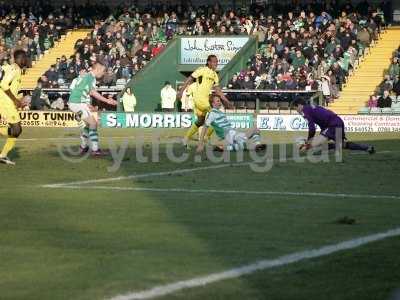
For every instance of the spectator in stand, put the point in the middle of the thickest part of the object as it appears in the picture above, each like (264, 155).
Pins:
(110, 78)
(168, 97)
(128, 100)
(52, 75)
(234, 83)
(156, 50)
(364, 37)
(39, 100)
(247, 84)
(386, 85)
(298, 60)
(396, 86)
(372, 101)
(385, 100)
(394, 69)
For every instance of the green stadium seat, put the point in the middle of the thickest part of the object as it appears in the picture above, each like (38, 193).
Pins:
(395, 105)
(387, 110)
(396, 110)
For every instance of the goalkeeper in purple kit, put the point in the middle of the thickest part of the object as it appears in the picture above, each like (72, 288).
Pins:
(332, 128)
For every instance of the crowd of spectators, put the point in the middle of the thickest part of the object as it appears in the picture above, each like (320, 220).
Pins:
(35, 27)
(308, 51)
(388, 92)
(129, 37)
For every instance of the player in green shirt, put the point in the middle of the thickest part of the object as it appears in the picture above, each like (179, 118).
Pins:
(233, 139)
(83, 89)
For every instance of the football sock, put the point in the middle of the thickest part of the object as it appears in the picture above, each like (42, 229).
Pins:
(354, 146)
(255, 139)
(94, 139)
(85, 137)
(210, 131)
(10, 143)
(191, 132)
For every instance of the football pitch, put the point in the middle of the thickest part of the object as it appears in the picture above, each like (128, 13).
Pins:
(100, 229)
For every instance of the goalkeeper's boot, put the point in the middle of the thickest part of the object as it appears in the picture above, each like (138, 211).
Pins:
(5, 160)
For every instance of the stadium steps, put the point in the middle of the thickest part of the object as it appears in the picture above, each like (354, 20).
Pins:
(369, 74)
(63, 47)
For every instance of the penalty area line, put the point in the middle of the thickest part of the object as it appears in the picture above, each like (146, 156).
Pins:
(214, 191)
(260, 265)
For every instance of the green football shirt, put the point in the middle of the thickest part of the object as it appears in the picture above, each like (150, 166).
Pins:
(218, 120)
(80, 92)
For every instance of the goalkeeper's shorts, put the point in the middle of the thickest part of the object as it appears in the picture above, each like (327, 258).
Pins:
(335, 132)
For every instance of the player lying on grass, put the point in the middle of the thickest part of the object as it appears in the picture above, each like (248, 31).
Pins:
(332, 128)
(80, 103)
(233, 139)
(10, 101)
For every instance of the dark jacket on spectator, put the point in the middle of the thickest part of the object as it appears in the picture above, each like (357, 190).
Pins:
(396, 87)
(384, 102)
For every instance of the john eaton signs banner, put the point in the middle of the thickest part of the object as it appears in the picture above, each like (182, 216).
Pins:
(194, 50)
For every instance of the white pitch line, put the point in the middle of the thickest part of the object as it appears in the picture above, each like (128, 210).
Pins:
(211, 191)
(136, 176)
(201, 281)
(70, 138)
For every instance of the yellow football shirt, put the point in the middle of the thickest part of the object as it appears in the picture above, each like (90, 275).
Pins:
(206, 78)
(11, 80)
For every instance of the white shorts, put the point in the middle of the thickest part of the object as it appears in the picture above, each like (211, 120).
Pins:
(234, 137)
(82, 109)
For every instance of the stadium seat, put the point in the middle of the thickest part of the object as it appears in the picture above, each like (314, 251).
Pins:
(375, 110)
(283, 105)
(387, 110)
(363, 111)
(395, 105)
(239, 104)
(263, 105)
(250, 104)
(396, 110)
(272, 105)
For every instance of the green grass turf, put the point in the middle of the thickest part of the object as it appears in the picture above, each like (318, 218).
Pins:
(94, 244)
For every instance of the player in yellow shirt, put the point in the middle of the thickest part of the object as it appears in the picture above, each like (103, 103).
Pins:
(206, 79)
(9, 101)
